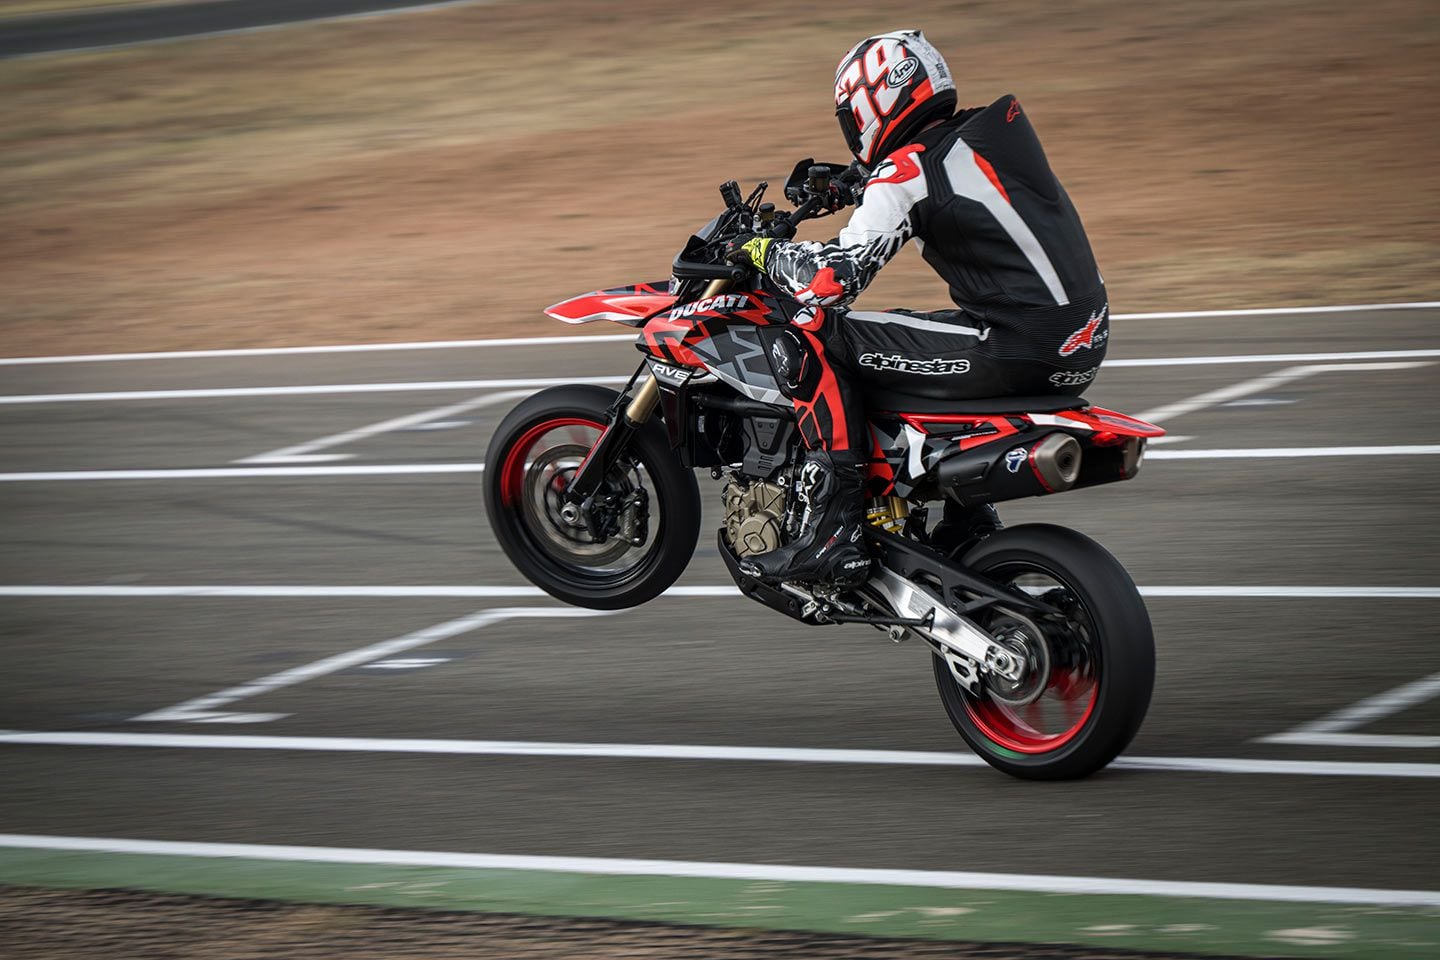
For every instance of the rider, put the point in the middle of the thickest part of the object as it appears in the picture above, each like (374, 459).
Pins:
(975, 191)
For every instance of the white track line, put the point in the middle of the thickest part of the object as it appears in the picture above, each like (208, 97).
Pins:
(309, 452)
(1270, 358)
(945, 879)
(404, 469)
(1363, 741)
(621, 337)
(536, 383)
(691, 752)
(206, 709)
(493, 592)
(1265, 453)
(220, 473)
(1335, 729)
(323, 389)
(1268, 382)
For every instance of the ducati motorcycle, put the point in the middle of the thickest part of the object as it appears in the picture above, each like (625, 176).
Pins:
(1041, 645)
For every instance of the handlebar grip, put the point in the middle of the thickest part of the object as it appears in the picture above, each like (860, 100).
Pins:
(693, 270)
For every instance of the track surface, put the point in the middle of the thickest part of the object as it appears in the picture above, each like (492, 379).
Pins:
(81, 30)
(706, 670)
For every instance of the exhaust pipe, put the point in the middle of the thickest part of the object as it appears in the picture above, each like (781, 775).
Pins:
(1033, 468)
(1056, 461)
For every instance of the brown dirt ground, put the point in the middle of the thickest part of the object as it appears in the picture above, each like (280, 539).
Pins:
(448, 174)
(37, 924)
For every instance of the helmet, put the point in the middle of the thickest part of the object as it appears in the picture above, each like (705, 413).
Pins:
(887, 88)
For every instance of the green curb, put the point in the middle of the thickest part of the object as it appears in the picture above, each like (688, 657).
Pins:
(1238, 927)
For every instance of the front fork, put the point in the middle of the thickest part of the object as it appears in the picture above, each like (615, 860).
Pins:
(613, 443)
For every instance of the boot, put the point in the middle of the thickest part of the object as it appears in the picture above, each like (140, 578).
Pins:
(830, 547)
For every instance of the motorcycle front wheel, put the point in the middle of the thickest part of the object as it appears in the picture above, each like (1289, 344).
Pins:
(1092, 665)
(532, 456)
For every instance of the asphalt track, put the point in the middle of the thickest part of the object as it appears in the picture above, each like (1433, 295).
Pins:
(112, 646)
(119, 26)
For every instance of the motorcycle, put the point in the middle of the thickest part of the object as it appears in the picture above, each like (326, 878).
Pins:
(1041, 646)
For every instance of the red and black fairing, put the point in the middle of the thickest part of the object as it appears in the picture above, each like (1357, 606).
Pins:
(629, 304)
(727, 336)
(991, 457)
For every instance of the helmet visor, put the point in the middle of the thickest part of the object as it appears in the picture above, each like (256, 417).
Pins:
(849, 128)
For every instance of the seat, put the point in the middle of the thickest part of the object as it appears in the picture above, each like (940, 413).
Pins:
(878, 399)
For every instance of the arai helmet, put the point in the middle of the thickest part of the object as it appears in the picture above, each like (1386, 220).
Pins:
(887, 88)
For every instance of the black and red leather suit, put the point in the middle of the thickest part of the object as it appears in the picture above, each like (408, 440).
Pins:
(977, 195)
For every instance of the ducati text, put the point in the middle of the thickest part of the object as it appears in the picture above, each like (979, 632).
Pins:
(718, 304)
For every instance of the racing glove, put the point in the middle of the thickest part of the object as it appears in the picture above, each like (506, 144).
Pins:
(749, 250)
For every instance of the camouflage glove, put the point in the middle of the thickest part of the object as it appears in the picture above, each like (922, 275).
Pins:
(749, 250)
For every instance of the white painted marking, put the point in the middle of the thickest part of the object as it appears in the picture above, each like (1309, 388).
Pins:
(262, 28)
(945, 879)
(540, 382)
(405, 469)
(629, 338)
(406, 663)
(114, 396)
(206, 709)
(1264, 453)
(329, 348)
(440, 425)
(221, 473)
(1278, 311)
(309, 451)
(1270, 381)
(1365, 741)
(690, 752)
(1334, 729)
(1298, 592)
(468, 591)
(1270, 358)
(1261, 402)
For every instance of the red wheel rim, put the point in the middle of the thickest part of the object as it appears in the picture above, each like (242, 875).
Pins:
(1019, 728)
(512, 471)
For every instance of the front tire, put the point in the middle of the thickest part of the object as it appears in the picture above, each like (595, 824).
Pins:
(531, 456)
(1099, 658)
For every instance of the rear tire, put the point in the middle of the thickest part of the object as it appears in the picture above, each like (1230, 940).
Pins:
(534, 449)
(1101, 658)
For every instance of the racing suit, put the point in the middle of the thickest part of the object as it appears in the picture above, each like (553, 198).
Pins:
(977, 195)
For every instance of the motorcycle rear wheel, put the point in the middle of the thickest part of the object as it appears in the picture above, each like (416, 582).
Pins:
(1099, 657)
(536, 448)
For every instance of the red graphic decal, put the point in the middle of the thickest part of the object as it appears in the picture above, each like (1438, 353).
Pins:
(990, 175)
(619, 304)
(906, 166)
(1108, 421)
(1013, 112)
(880, 474)
(1087, 336)
(921, 94)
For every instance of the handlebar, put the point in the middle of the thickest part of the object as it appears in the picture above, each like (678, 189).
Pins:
(695, 270)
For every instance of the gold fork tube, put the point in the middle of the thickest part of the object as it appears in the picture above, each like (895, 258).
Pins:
(643, 401)
(714, 288)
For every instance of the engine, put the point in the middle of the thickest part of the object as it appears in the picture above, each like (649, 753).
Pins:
(754, 516)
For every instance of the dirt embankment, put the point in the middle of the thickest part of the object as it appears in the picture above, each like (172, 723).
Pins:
(42, 924)
(448, 174)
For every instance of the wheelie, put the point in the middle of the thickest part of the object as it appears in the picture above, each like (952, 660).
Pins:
(861, 453)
